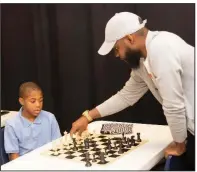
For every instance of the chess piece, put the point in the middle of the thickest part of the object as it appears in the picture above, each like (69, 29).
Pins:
(88, 164)
(102, 158)
(123, 135)
(120, 151)
(94, 159)
(105, 151)
(115, 147)
(132, 140)
(128, 143)
(75, 146)
(94, 146)
(86, 143)
(138, 137)
(109, 146)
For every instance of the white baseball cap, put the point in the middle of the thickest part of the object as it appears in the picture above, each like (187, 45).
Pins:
(120, 25)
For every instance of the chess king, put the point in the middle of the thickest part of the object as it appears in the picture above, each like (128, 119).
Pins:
(161, 62)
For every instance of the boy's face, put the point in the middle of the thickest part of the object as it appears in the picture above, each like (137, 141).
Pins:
(32, 102)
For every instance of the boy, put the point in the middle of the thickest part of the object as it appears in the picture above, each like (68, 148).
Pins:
(32, 127)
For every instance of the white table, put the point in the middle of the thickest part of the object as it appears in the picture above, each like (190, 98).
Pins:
(143, 158)
(7, 116)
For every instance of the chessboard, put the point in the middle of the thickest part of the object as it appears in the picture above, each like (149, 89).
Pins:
(96, 148)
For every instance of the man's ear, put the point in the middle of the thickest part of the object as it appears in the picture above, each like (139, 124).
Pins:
(130, 38)
(21, 101)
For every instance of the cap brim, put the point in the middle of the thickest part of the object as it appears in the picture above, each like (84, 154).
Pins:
(106, 48)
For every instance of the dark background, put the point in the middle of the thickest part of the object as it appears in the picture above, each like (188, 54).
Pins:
(56, 46)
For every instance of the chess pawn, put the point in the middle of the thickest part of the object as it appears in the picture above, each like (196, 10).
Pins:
(88, 164)
(102, 158)
(61, 146)
(138, 137)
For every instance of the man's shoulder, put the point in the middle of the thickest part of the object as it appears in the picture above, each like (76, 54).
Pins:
(164, 41)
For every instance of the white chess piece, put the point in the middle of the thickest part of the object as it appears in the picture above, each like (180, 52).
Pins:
(65, 138)
(61, 143)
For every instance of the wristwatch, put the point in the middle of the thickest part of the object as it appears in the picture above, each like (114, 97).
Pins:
(86, 114)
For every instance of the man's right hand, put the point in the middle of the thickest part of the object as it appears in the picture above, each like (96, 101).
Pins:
(79, 125)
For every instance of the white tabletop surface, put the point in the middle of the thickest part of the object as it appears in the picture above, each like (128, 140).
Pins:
(7, 116)
(142, 158)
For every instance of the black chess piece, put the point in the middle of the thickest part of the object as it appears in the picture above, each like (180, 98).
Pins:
(105, 151)
(120, 151)
(94, 149)
(86, 143)
(109, 141)
(102, 158)
(87, 155)
(123, 135)
(88, 163)
(132, 140)
(124, 140)
(74, 140)
(75, 147)
(128, 143)
(115, 147)
(109, 146)
(94, 159)
(138, 137)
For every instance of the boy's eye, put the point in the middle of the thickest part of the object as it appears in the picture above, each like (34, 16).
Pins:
(32, 101)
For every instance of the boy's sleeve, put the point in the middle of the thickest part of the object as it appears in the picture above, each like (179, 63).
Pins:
(10, 140)
(55, 129)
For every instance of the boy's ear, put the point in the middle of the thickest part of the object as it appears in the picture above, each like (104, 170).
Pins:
(21, 101)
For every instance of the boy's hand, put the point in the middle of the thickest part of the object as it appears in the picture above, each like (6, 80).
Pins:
(13, 156)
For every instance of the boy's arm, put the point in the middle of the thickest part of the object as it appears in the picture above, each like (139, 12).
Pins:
(55, 129)
(11, 142)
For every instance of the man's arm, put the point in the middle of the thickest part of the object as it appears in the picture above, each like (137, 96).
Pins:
(133, 90)
(167, 68)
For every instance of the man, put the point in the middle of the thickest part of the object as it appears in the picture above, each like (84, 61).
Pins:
(161, 62)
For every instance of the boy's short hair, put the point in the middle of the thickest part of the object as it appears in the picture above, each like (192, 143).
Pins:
(26, 87)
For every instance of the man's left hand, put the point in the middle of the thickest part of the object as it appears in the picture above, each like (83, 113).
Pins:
(175, 149)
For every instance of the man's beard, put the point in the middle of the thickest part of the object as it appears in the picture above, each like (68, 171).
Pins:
(132, 58)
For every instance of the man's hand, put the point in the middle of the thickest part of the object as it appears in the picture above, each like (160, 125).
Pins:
(175, 149)
(79, 125)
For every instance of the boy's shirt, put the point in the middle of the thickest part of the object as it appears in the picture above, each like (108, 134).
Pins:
(22, 136)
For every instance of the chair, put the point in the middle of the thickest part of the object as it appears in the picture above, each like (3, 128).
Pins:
(4, 156)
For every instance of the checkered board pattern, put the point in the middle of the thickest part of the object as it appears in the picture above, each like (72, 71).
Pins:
(67, 152)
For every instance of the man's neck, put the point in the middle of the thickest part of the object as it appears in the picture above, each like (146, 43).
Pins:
(143, 49)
